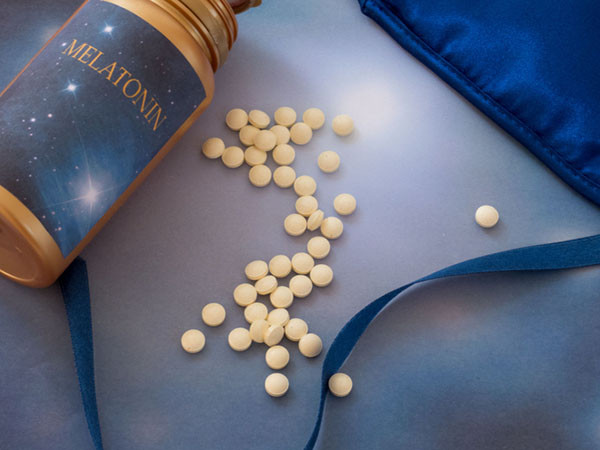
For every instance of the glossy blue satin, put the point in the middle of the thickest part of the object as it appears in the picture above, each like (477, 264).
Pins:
(532, 67)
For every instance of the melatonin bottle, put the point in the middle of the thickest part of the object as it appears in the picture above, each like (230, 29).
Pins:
(92, 114)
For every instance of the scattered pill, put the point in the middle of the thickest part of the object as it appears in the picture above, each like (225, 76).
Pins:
(258, 118)
(257, 330)
(277, 357)
(306, 205)
(284, 154)
(260, 175)
(280, 266)
(193, 341)
(342, 125)
(239, 339)
(486, 216)
(295, 224)
(276, 384)
(282, 297)
(318, 247)
(315, 220)
(254, 156)
(328, 161)
(310, 345)
(213, 314)
(321, 275)
(213, 148)
(344, 204)
(274, 335)
(256, 270)
(245, 294)
(285, 116)
(295, 329)
(314, 118)
(301, 286)
(300, 133)
(256, 311)
(233, 157)
(265, 140)
(278, 316)
(284, 176)
(247, 134)
(266, 285)
(305, 185)
(302, 263)
(281, 133)
(236, 119)
(332, 227)
(340, 384)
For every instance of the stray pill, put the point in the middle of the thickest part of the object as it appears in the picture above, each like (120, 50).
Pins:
(247, 134)
(213, 314)
(277, 357)
(332, 227)
(254, 156)
(285, 116)
(281, 133)
(344, 204)
(280, 266)
(239, 339)
(294, 224)
(276, 384)
(265, 140)
(284, 176)
(340, 384)
(318, 247)
(279, 316)
(314, 118)
(260, 175)
(321, 275)
(282, 297)
(274, 335)
(213, 148)
(300, 133)
(256, 270)
(193, 341)
(342, 125)
(266, 285)
(301, 286)
(284, 154)
(255, 311)
(315, 220)
(258, 118)
(310, 345)
(306, 205)
(302, 263)
(295, 329)
(257, 331)
(236, 119)
(486, 216)
(305, 185)
(328, 161)
(245, 294)
(233, 157)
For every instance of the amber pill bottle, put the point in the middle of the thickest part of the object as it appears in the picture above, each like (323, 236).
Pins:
(90, 117)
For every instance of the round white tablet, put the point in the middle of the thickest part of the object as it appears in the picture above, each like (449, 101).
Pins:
(258, 118)
(318, 247)
(294, 224)
(260, 175)
(310, 345)
(305, 185)
(340, 384)
(315, 220)
(301, 286)
(284, 176)
(265, 140)
(285, 116)
(306, 205)
(284, 154)
(314, 118)
(213, 148)
(247, 134)
(236, 119)
(342, 125)
(279, 316)
(277, 357)
(277, 384)
(300, 133)
(193, 341)
(239, 339)
(273, 335)
(329, 161)
(244, 294)
(295, 329)
(213, 314)
(332, 227)
(302, 263)
(256, 270)
(266, 285)
(233, 157)
(281, 133)
(254, 156)
(255, 311)
(258, 328)
(321, 275)
(282, 297)
(486, 216)
(280, 266)
(344, 204)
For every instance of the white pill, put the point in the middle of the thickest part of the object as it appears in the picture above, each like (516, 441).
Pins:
(254, 156)
(236, 119)
(273, 335)
(265, 140)
(305, 185)
(280, 266)
(295, 329)
(300, 133)
(258, 118)
(260, 175)
(321, 275)
(284, 176)
(281, 133)
(277, 357)
(310, 345)
(247, 134)
(266, 285)
(284, 154)
(486, 216)
(344, 204)
(340, 384)
(314, 118)
(258, 328)
(213, 314)
(256, 270)
(294, 224)
(315, 220)
(332, 227)
(233, 157)
(301, 286)
(277, 384)
(256, 311)
(193, 341)
(328, 161)
(285, 116)
(302, 263)
(306, 205)
(239, 339)
(279, 316)
(342, 125)
(318, 247)
(213, 148)
(244, 294)
(282, 297)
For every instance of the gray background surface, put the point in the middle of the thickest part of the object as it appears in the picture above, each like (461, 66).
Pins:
(488, 362)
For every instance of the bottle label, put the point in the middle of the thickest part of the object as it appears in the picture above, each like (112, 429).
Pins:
(88, 114)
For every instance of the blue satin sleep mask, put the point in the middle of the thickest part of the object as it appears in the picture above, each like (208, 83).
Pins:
(532, 67)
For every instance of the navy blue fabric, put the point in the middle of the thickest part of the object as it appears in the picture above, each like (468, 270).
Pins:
(531, 66)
